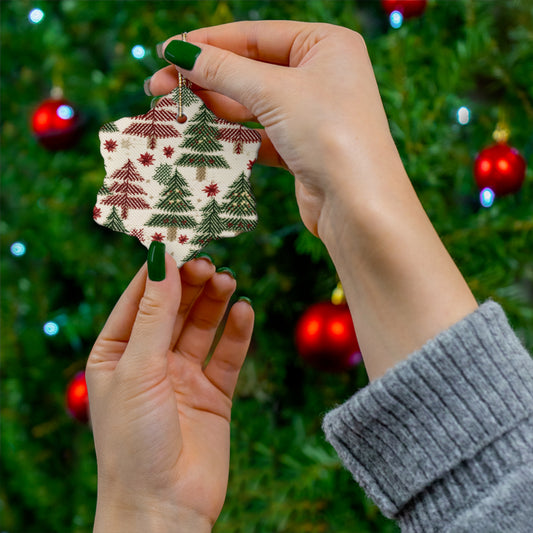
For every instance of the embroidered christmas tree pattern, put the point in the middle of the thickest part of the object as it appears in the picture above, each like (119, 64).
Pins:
(201, 137)
(240, 206)
(211, 225)
(238, 136)
(124, 193)
(173, 203)
(114, 221)
(153, 126)
(184, 183)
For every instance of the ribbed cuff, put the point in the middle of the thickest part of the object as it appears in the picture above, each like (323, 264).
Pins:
(435, 430)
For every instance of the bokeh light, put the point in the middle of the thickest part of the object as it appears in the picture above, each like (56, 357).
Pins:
(138, 51)
(18, 249)
(36, 15)
(486, 197)
(396, 19)
(51, 328)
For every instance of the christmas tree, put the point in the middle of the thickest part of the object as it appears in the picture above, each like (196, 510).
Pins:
(211, 225)
(238, 136)
(239, 206)
(123, 192)
(149, 126)
(173, 203)
(201, 136)
(60, 269)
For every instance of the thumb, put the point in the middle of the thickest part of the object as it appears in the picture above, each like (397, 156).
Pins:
(242, 79)
(152, 330)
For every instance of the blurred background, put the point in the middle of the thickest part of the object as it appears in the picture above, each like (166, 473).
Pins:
(451, 73)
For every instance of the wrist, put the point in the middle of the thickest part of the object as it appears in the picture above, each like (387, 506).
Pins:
(401, 284)
(155, 517)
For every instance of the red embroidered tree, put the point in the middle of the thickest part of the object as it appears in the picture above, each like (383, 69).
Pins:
(151, 125)
(238, 136)
(123, 192)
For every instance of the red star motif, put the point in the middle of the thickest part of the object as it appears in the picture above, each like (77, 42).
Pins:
(251, 163)
(97, 213)
(168, 151)
(146, 159)
(157, 237)
(211, 189)
(182, 239)
(110, 146)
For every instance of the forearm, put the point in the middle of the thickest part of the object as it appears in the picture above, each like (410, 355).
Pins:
(400, 282)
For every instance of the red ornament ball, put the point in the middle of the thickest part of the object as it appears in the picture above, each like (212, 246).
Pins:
(56, 124)
(325, 337)
(77, 398)
(408, 8)
(501, 168)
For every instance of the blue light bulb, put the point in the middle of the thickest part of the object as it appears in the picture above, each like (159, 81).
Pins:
(486, 197)
(396, 19)
(36, 15)
(138, 51)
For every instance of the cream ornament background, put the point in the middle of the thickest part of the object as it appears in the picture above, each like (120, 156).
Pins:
(183, 184)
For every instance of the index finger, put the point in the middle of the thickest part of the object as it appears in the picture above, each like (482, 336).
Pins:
(270, 41)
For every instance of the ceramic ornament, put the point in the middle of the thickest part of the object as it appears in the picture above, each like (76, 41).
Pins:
(177, 174)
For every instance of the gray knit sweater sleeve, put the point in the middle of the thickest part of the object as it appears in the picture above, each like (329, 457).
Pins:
(444, 441)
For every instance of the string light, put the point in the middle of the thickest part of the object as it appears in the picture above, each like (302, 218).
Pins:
(65, 112)
(463, 115)
(396, 19)
(36, 15)
(138, 51)
(486, 197)
(18, 249)
(51, 328)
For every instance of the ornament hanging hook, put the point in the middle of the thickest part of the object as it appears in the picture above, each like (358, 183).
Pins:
(181, 82)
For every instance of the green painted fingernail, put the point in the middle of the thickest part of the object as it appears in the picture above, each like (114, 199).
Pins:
(245, 299)
(226, 270)
(182, 53)
(203, 255)
(156, 261)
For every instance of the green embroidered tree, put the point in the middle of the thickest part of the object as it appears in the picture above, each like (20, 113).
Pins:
(187, 96)
(211, 225)
(173, 203)
(201, 137)
(114, 221)
(239, 206)
(109, 127)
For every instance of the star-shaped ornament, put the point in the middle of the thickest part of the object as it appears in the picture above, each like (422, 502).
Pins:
(184, 183)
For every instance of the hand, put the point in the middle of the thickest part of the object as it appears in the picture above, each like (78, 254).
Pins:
(160, 417)
(313, 89)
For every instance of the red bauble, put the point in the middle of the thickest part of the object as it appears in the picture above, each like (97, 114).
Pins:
(501, 168)
(77, 398)
(325, 337)
(408, 8)
(56, 124)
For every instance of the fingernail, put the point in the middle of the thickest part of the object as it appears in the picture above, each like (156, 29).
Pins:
(245, 299)
(226, 270)
(203, 255)
(146, 86)
(182, 53)
(159, 49)
(156, 261)
(253, 125)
